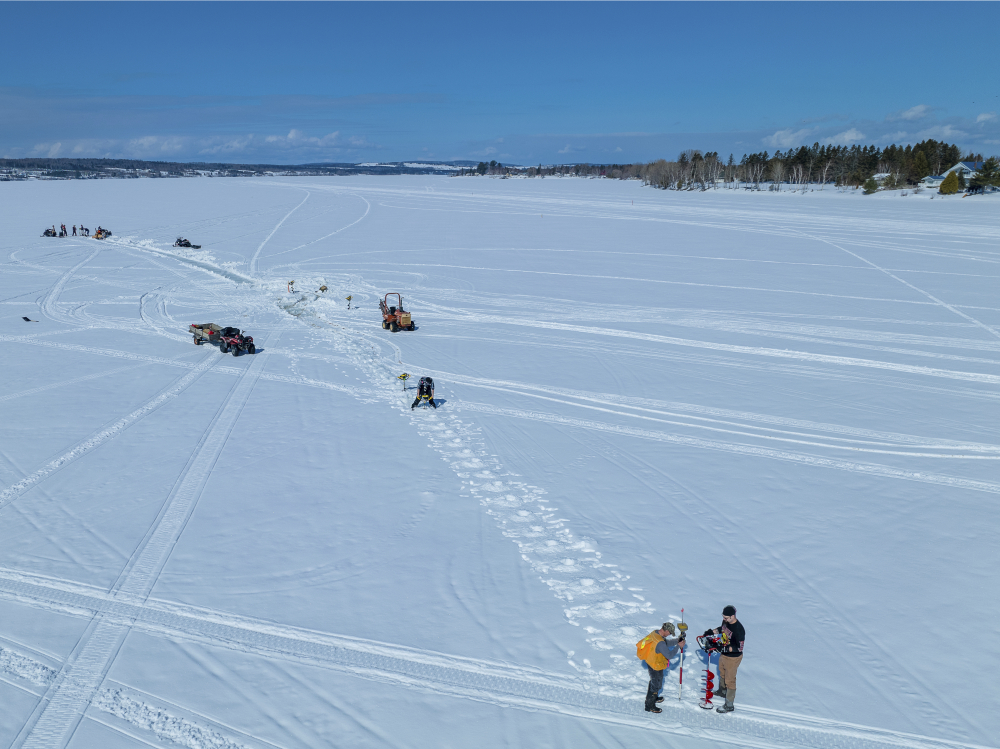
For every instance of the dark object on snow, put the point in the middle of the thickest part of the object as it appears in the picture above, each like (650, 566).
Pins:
(710, 643)
(425, 391)
(49, 232)
(28, 319)
(228, 339)
(395, 317)
(102, 233)
(181, 242)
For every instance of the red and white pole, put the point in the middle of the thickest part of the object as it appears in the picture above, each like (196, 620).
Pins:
(680, 683)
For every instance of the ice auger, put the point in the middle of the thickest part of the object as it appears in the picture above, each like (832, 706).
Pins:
(709, 644)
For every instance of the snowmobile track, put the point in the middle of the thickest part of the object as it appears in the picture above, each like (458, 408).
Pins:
(11, 493)
(63, 705)
(493, 683)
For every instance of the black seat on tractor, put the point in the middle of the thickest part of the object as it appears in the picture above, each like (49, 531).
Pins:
(392, 310)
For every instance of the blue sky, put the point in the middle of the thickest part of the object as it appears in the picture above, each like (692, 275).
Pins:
(522, 83)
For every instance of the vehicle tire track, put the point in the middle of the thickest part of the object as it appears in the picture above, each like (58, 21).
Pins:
(12, 493)
(871, 469)
(48, 305)
(66, 700)
(501, 684)
(256, 255)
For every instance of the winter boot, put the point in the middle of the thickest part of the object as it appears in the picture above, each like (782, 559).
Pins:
(728, 707)
(651, 700)
(721, 691)
(660, 699)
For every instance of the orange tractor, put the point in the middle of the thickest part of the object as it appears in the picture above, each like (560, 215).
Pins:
(394, 317)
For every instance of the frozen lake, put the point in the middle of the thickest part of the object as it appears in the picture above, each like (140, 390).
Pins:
(649, 401)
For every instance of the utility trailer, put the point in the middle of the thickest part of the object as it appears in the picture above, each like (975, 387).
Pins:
(228, 339)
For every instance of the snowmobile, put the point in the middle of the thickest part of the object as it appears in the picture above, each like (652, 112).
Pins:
(228, 339)
(394, 317)
(181, 242)
(102, 233)
(49, 233)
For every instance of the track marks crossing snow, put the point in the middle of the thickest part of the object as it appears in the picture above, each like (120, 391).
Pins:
(78, 682)
(805, 459)
(502, 684)
(11, 493)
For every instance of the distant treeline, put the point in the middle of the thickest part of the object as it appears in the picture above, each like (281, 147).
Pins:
(838, 165)
(85, 168)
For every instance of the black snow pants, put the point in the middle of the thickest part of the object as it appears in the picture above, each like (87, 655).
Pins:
(655, 685)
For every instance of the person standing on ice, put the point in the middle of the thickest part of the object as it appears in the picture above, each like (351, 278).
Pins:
(655, 649)
(730, 656)
(74, 230)
(425, 390)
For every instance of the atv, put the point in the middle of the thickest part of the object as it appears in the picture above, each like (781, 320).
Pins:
(49, 233)
(181, 242)
(394, 317)
(228, 339)
(102, 233)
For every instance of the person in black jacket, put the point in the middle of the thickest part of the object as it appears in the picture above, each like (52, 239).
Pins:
(425, 390)
(730, 657)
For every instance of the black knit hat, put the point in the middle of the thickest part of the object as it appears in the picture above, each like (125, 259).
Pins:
(729, 611)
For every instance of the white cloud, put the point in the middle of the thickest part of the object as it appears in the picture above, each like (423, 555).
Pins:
(914, 113)
(848, 136)
(986, 117)
(236, 145)
(48, 149)
(941, 132)
(359, 141)
(154, 146)
(567, 149)
(296, 145)
(787, 138)
(618, 149)
(898, 135)
(296, 138)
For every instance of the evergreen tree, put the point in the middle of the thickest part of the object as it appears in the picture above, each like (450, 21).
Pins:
(870, 186)
(989, 174)
(920, 167)
(950, 184)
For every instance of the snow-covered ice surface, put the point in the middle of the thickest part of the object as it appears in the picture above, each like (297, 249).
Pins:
(649, 401)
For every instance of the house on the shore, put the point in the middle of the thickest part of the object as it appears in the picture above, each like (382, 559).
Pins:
(964, 169)
(932, 183)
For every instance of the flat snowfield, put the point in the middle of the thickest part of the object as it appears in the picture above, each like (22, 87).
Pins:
(648, 402)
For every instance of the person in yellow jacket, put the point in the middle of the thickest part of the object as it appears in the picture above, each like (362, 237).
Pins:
(655, 649)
